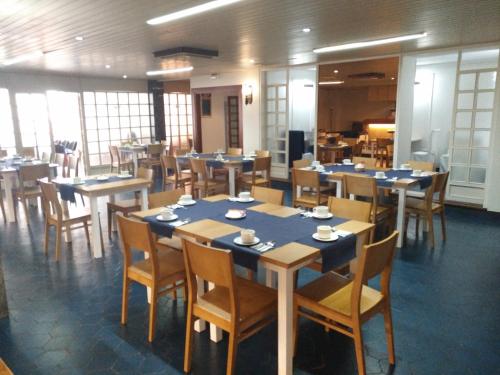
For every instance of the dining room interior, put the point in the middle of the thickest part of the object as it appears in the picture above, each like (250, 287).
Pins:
(249, 187)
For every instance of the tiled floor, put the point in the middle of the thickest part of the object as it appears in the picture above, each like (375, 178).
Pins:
(64, 317)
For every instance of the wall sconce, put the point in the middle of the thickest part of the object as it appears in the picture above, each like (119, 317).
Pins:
(248, 93)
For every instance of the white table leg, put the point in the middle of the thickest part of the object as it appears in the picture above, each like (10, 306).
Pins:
(114, 228)
(136, 163)
(285, 321)
(338, 190)
(200, 325)
(232, 181)
(270, 279)
(67, 233)
(401, 215)
(215, 332)
(144, 199)
(9, 183)
(95, 236)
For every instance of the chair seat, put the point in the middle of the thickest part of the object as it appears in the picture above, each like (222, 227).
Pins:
(415, 204)
(256, 302)
(74, 216)
(170, 263)
(247, 179)
(333, 292)
(30, 191)
(173, 243)
(211, 183)
(128, 204)
(183, 178)
(151, 162)
(310, 198)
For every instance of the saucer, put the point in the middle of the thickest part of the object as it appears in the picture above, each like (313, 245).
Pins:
(381, 178)
(347, 163)
(248, 159)
(77, 183)
(402, 169)
(235, 214)
(102, 178)
(172, 218)
(124, 175)
(413, 175)
(243, 200)
(329, 216)
(333, 237)
(238, 241)
(187, 203)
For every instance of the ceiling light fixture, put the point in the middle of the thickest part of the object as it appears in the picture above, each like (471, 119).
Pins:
(335, 71)
(107, 66)
(169, 71)
(343, 47)
(22, 58)
(190, 11)
(393, 78)
(306, 30)
(331, 83)
(124, 76)
(251, 61)
(79, 38)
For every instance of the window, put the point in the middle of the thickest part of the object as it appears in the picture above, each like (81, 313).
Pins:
(116, 117)
(8, 140)
(178, 119)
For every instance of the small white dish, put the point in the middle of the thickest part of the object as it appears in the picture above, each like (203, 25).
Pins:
(414, 175)
(329, 216)
(333, 237)
(381, 178)
(103, 178)
(245, 200)
(403, 169)
(238, 241)
(247, 159)
(347, 163)
(187, 203)
(124, 175)
(235, 214)
(77, 183)
(172, 218)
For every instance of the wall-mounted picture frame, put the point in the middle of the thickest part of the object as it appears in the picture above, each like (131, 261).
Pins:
(206, 105)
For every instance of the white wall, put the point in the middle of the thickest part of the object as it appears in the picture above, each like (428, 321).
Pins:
(213, 129)
(250, 113)
(302, 102)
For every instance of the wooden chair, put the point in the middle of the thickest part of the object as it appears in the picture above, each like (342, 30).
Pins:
(233, 151)
(427, 166)
(62, 221)
(370, 163)
(61, 161)
(236, 305)
(159, 271)
(129, 205)
(427, 207)
(73, 162)
(47, 157)
(153, 155)
(28, 152)
(181, 151)
(381, 150)
(268, 195)
(310, 179)
(117, 162)
(302, 163)
(177, 178)
(262, 153)
(366, 187)
(357, 149)
(343, 305)
(3, 153)
(260, 176)
(28, 184)
(201, 183)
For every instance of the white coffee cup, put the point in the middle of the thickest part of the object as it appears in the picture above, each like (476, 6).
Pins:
(244, 195)
(320, 168)
(167, 213)
(76, 180)
(124, 173)
(315, 163)
(320, 211)
(247, 235)
(405, 166)
(346, 161)
(324, 231)
(186, 198)
(380, 174)
(417, 172)
(359, 166)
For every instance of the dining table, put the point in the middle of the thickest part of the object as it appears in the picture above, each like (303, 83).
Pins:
(94, 187)
(398, 180)
(9, 173)
(232, 163)
(135, 150)
(290, 250)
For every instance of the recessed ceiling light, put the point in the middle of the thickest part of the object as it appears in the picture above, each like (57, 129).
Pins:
(124, 76)
(251, 61)
(107, 66)
(335, 71)
(169, 71)
(393, 78)
(342, 47)
(22, 58)
(79, 38)
(331, 83)
(306, 30)
(190, 11)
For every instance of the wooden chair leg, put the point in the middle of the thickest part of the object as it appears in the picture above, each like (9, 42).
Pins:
(26, 212)
(188, 348)
(295, 327)
(126, 285)
(231, 353)
(110, 220)
(58, 241)
(443, 224)
(430, 225)
(389, 333)
(86, 227)
(152, 314)
(405, 231)
(46, 243)
(358, 345)
(250, 274)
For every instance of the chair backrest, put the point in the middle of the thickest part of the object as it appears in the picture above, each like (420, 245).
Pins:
(440, 185)
(233, 151)
(3, 153)
(302, 163)
(29, 173)
(28, 152)
(268, 195)
(357, 149)
(350, 141)
(374, 259)
(155, 150)
(164, 198)
(212, 265)
(305, 178)
(168, 163)
(350, 209)
(199, 166)
(261, 164)
(60, 159)
(46, 157)
(114, 153)
(262, 153)
(136, 235)
(181, 151)
(368, 162)
(50, 202)
(72, 165)
(382, 143)
(422, 165)
(146, 174)
(362, 186)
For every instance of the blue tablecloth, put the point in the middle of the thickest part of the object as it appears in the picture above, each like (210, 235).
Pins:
(424, 181)
(16, 163)
(268, 228)
(216, 164)
(67, 191)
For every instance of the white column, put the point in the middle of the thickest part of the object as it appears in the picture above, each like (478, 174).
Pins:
(232, 181)
(95, 239)
(9, 182)
(285, 321)
(401, 215)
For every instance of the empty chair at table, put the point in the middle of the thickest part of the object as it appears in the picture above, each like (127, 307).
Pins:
(153, 155)
(307, 179)
(382, 151)
(60, 160)
(427, 166)
(268, 195)
(28, 152)
(234, 151)
(160, 271)
(47, 157)
(236, 305)
(129, 205)
(262, 153)
(201, 184)
(171, 174)
(302, 163)
(117, 162)
(343, 305)
(61, 220)
(72, 164)
(370, 163)
(260, 175)
(28, 184)
(231, 151)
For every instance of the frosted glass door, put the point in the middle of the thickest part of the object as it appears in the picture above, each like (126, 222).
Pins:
(277, 128)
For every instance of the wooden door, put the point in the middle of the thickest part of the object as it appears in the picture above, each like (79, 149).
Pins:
(234, 136)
